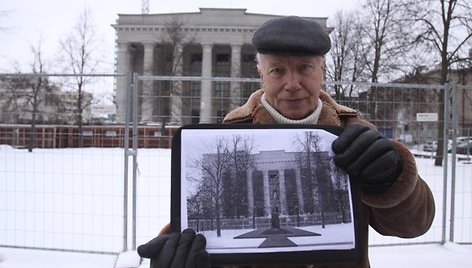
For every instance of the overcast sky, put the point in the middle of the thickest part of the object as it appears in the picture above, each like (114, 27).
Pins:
(24, 22)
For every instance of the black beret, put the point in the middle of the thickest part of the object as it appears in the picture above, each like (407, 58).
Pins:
(291, 36)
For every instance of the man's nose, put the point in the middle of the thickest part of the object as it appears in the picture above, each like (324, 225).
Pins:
(292, 82)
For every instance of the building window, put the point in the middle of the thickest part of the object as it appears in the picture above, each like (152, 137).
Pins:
(222, 59)
(248, 58)
(196, 59)
(195, 88)
(220, 116)
(222, 89)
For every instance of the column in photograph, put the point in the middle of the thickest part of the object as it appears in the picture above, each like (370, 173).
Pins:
(147, 93)
(283, 194)
(205, 93)
(250, 192)
(235, 73)
(122, 67)
(298, 180)
(265, 180)
(176, 92)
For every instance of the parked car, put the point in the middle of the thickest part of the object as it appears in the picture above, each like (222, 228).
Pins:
(464, 139)
(462, 144)
(430, 146)
(464, 148)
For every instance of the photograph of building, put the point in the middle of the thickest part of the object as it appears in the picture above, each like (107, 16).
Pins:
(237, 187)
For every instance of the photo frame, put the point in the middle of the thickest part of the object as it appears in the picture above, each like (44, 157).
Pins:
(264, 193)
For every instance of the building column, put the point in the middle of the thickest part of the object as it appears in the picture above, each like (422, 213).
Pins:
(235, 73)
(283, 194)
(205, 94)
(298, 181)
(250, 192)
(122, 67)
(265, 181)
(147, 85)
(176, 92)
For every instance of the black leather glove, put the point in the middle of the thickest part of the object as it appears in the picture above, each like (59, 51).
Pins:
(367, 156)
(186, 250)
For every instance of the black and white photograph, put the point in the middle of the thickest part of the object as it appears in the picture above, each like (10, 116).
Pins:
(265, 190)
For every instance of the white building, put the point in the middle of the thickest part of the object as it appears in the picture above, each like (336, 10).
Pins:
(201, 45)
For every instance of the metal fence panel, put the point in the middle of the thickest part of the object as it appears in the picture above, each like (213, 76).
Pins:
(392, 107)
(58, 196)
(66, 198)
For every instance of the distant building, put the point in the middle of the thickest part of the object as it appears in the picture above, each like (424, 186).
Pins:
(208, 43)
(54, 106)
(400, 106)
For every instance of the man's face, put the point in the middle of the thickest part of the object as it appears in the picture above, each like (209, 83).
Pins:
(292, 84)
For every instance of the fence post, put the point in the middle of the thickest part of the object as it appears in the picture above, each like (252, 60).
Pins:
(135, 153)
(445, 164)
(130, 85)
(453, 132)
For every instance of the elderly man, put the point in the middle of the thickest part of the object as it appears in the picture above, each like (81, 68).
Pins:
(290, 57)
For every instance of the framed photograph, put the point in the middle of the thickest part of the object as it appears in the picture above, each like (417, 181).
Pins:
(264, 193)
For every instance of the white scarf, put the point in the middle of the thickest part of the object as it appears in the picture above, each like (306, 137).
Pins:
(311, 119)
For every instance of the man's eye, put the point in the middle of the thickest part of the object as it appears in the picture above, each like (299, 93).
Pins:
(306, 67)
(275, 71)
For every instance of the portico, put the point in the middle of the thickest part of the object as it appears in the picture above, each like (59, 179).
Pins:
(205, 44)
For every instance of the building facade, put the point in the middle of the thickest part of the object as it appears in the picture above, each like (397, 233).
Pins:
(21, 101)
(200, 46)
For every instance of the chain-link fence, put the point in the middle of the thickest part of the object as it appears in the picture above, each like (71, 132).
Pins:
(113, 192)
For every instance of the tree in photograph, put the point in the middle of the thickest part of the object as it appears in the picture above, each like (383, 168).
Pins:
(445, 26)
(235, 185)
(222, 186)
(341, 191)
(317, 173)
(214, 168)
(79, 48)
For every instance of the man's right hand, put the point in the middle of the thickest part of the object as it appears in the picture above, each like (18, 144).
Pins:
(186, 250)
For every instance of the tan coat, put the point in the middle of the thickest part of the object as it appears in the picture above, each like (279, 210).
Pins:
(405, 210)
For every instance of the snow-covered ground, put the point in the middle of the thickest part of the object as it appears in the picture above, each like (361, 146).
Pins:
(73, 199)
(431, 256)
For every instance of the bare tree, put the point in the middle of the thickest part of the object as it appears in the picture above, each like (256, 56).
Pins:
(346, 56)
(176, 38)
(387, 37)
(240, 153)
(322, 187)
(79, 48)
(10, 100)
(445, 26)
(220, 187)
(312, 165)
(36, 86)
(214, 167)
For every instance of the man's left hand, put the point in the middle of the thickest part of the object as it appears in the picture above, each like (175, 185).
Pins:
(368, 156)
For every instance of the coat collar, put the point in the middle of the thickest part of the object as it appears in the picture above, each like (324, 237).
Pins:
(253, 111)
